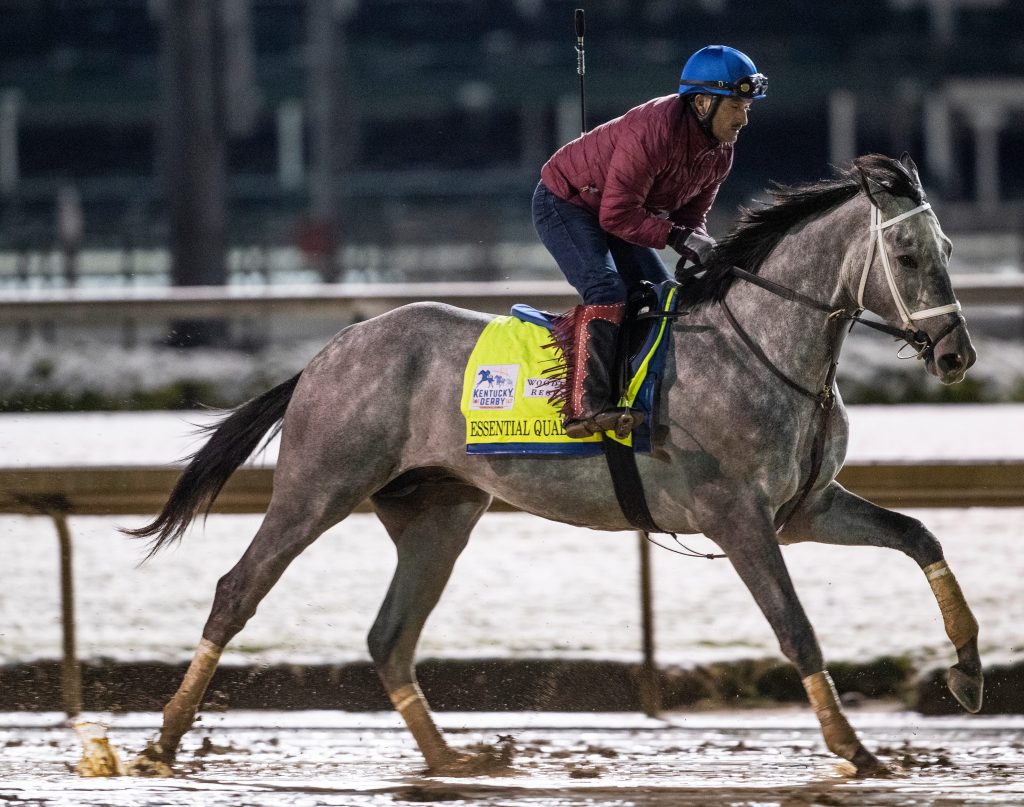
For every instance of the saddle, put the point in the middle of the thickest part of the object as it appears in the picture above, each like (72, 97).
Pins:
(508, 379)
(507, 386)
(637, 328)
(647, 309)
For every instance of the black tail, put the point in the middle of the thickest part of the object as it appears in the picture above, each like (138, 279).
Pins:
(232, 440)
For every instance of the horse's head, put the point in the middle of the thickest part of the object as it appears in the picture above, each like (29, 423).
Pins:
(905, 274)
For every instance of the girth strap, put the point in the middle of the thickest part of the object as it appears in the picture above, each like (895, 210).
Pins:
(629, 487)
(629, 492)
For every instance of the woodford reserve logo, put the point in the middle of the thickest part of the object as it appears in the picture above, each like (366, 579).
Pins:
(540, 387)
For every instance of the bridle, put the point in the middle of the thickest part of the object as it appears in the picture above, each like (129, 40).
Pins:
(919, 341)
(913, 336)
(922, 344)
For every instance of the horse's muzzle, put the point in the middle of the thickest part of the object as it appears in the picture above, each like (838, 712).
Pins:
(952, 356)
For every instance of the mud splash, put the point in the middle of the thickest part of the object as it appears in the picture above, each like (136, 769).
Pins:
(99, 756)
(772, 758)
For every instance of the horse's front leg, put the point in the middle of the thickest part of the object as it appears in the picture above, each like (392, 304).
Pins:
(753, 550)
(840, 517)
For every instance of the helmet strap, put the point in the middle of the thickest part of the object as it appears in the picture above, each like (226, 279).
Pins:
(705, 119)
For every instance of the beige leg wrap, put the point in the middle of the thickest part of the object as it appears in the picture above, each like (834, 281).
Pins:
(200, 671)
(961, 626)
(182, 707)
(839, 735)
(412, 706)
(404, 697)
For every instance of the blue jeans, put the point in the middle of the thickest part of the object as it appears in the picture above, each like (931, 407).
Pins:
(600, 266)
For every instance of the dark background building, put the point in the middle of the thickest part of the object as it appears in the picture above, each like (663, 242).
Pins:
(348, 125)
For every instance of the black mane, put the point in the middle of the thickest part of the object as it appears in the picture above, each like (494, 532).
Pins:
(759, 230)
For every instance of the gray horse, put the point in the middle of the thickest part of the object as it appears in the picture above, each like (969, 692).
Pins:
(750, 436)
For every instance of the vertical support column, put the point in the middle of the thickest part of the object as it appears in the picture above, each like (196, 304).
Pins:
(938, 141)
(842, 127)
(71, 673)
(533, 136)
(330, 115)
(291, 161)
(239, 87)
(650, 690)
(10, 107)
(987, 120)
(567, 119)
(943, 13)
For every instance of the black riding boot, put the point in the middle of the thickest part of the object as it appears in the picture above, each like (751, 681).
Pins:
(589, 406)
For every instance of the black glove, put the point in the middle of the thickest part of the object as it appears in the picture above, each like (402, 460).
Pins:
(695, 247)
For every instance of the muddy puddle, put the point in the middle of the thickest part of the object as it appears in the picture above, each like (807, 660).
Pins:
(742, 759)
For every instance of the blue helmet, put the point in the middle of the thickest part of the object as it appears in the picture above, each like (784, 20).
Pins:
(721, 70)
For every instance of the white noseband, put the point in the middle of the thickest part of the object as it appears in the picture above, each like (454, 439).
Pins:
(877, 225)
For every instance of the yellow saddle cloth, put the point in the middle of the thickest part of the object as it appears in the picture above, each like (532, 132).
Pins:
(505, 394)
(506, 386)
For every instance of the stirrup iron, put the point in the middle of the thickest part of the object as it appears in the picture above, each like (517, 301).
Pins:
(620, 420)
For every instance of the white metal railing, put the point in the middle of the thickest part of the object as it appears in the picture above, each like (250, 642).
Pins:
(107, 304)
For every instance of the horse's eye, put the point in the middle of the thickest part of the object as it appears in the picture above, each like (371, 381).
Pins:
(907, 261)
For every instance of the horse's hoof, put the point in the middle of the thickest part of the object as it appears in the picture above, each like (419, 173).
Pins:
(867, 764)
(967, 689)
(485, 760)
(152, 762)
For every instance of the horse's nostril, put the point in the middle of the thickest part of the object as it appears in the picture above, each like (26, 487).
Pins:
(950, 362)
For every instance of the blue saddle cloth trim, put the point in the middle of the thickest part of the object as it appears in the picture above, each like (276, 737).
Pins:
(644, 399)
(537, 449)
(527, 313)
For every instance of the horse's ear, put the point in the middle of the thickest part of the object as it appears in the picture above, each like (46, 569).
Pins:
(908, 162)
(866, 183)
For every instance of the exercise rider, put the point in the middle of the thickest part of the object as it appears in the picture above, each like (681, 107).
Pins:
(611, 198)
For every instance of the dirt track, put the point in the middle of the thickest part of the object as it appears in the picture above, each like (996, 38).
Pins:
(766, 758)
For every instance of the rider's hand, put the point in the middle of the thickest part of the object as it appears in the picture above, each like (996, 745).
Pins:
(695, 247)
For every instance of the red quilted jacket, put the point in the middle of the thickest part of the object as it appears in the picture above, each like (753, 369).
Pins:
(643, 172)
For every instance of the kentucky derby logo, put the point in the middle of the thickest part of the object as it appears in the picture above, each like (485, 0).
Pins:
(495, 386)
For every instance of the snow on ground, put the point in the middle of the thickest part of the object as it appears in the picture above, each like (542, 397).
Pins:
(524, 587)
(868, 370)
(882, 433)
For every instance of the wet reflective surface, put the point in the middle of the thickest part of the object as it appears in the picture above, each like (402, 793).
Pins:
(771, 758)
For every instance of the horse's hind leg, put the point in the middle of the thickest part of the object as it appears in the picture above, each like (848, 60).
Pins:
(288, 527)
(748, 537)
(430, 522)
(840, 517)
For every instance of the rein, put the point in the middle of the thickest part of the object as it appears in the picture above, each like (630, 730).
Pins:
(825, 398)
(917, 339)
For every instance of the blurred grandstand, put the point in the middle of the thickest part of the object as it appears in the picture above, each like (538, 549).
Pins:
(349, 131)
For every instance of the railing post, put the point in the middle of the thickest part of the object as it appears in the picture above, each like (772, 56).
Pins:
(71, 673)
(57, 507)
(650, 688)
